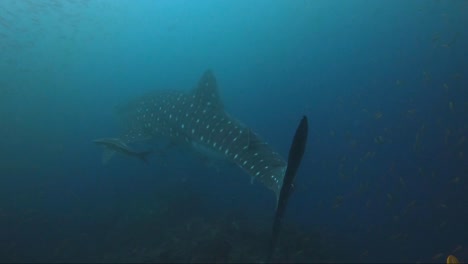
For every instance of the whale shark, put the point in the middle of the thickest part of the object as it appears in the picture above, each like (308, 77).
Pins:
(197, 119)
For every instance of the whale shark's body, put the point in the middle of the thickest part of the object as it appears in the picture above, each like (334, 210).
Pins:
(197, 119)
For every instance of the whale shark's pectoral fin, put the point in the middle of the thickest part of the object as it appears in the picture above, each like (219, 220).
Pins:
(107, 154)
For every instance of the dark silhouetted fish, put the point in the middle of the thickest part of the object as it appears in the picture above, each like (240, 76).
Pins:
(294, 160)
(116, 145)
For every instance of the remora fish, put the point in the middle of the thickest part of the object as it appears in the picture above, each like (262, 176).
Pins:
(113, 145)
(197, 118)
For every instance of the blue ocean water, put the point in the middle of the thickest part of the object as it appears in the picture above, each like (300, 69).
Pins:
(383, 83)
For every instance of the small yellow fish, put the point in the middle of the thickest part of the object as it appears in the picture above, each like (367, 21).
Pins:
(442, 205)
(338, 201)
(411, 204)
(461, 140)
(379, 140)
(451, 259)
(402, 182)
(368, 203)
(235, 225)
(342, 176)
(451, 105)
(389, 197)
(420, 171)
(426, 76)
(365, 253)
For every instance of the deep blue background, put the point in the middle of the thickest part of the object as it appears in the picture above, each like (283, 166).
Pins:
(360, 70)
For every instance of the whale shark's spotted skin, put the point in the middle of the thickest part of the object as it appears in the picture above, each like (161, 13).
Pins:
(198, 118)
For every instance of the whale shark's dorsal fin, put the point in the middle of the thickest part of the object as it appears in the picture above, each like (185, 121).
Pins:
(206, 93)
